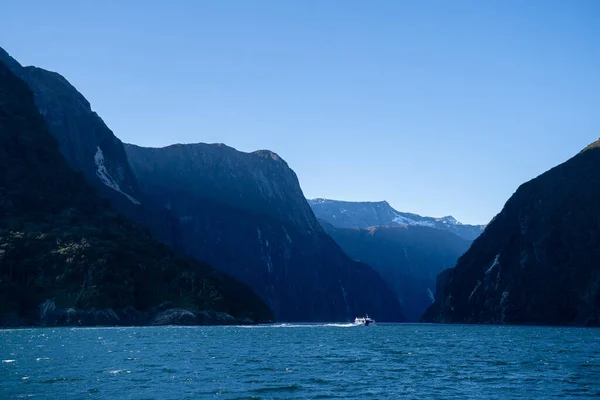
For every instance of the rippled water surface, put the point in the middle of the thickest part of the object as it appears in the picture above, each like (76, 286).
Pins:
(300, 361)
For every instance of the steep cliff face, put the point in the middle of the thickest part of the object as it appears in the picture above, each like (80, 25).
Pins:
(90, 147)
(98, 154)
(245, 213)
(242, 213)
(348, 214)
(538, 261)
(408, 258)
(259, 182)
(67, 258)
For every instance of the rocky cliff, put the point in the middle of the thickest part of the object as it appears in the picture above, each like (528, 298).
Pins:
(408, 258)
(240, 213)
(538, 261)
(91, 148)
(246, 214)
(348, 214)
(259, 182)
(67, 258)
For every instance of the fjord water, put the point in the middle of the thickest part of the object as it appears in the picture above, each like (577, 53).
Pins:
(300, 361)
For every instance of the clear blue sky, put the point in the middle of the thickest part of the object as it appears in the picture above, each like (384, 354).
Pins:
(439, 107)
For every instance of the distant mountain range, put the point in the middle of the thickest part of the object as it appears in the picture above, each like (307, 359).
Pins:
(346, 214)
(538, 261)
(407, 250)
(409, 258)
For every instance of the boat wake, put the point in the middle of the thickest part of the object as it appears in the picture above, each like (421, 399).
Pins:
(307, 325)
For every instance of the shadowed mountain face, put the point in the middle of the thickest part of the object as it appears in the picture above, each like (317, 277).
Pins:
(408, 258)
(67, 258)
(538, 261)
(348, 214)
(91, 148)
(259, 182)
(245, 213)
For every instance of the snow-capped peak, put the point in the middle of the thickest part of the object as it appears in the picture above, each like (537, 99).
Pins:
(347, 214)
(449, 220)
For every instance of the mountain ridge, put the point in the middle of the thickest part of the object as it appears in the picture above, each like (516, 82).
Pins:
(408, 258)
(538, 261)
(241, 212)
(99, 155)
(66, 256)
(254, 223)
(268, 183)
(351, 214)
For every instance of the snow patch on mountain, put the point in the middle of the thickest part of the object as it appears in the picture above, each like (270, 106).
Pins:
(402, 220)
(347, 214)
(105, 177)
(449, 220)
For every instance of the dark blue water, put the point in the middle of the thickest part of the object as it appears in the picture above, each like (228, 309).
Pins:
(300, 361)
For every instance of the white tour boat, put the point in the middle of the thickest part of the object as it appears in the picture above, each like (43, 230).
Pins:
(365, 321)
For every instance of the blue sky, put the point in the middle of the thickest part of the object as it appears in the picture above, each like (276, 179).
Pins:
(439, 107)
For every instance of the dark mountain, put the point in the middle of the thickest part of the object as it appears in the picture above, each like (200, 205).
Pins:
(67, 258)
(91, 148)
(408, 258)
(347, 214)
(538, 261)
(245, 213)
(229, 228)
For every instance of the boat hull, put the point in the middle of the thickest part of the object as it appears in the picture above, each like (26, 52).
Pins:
(364, 321)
